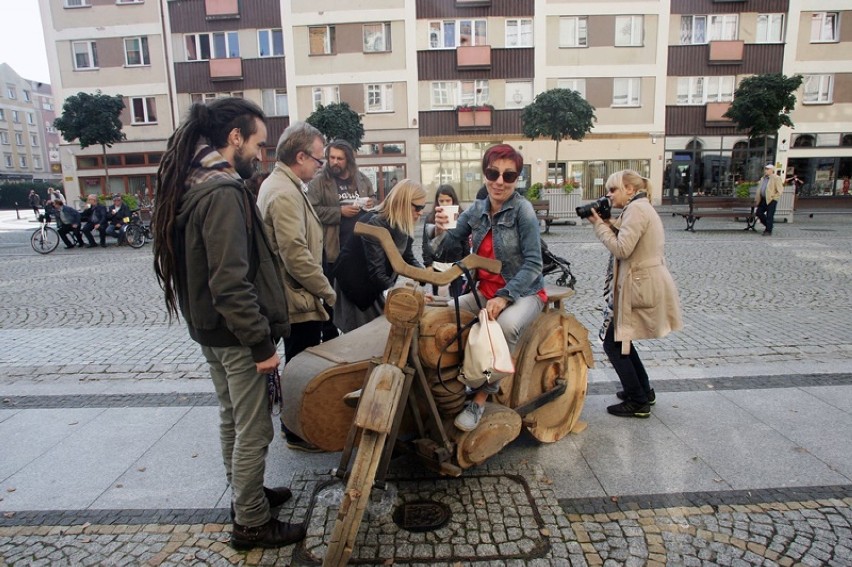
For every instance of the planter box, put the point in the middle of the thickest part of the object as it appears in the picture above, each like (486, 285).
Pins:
(562, 204)
(474, 119)
(784, 209)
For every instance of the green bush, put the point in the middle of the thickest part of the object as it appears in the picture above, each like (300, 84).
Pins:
(534, 192)
(741, 191)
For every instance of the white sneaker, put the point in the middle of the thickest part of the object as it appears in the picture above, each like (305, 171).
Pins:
(469, 418)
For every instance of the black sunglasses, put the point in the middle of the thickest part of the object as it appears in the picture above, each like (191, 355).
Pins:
(418, 208)
(508, 176)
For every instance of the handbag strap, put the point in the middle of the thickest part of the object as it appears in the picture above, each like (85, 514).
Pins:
(459, 327)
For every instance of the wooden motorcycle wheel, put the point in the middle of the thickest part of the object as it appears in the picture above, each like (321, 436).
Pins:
(556, 348)
(355, 499)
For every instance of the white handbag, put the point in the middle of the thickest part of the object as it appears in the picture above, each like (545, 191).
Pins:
(486, 356)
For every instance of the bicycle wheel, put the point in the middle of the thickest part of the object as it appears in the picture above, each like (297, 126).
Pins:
(135, 236)
(44, 241)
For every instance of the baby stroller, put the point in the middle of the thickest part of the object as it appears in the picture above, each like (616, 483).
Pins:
(551, 263)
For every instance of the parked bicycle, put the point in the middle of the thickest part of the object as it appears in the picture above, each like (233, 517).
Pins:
(45, 238)
(137, 232)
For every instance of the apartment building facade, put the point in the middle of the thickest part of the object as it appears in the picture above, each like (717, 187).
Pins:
(28, 141)
(437, 81)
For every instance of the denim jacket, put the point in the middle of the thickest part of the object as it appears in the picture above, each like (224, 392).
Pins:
(517, 243)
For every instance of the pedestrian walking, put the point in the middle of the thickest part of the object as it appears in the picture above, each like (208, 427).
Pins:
(641, 297)
(769, 191)
(214, 263)
(35, 202)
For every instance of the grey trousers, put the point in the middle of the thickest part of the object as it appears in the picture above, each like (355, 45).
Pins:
(245, 429)
(513, 320)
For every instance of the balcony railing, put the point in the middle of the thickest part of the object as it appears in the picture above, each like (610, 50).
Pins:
(725, 52)
(473, 57)
(226, 69)
(714, 114)
(474, 118)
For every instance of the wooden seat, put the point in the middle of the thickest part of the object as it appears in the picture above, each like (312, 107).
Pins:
(556, 297)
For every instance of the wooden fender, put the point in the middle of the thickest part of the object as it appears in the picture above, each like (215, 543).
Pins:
(437, 329)
(555, 347)
(499, 427)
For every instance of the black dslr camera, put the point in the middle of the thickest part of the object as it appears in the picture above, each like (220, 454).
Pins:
(601, 206)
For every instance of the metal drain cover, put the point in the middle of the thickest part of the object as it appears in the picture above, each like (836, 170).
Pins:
(422, 516)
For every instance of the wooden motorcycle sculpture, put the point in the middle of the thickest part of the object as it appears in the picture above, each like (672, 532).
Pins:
(545, 395)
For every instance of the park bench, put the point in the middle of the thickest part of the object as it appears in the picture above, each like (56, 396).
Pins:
(542, 211)
(720, 207)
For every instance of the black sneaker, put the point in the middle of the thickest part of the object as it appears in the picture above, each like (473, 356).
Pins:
(275, 496)
(303, 446)
(652, 397)
(630, 409)
(270, 535)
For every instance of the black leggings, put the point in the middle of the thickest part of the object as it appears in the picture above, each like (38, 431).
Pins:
(629, 368)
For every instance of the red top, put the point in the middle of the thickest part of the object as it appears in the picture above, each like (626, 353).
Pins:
(490, 284)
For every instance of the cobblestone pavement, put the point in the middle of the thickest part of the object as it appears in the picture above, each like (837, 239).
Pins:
(75, 323)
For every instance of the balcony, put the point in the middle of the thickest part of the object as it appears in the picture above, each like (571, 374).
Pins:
(725, 52)
(473, 118)
(473, 57)
(226, 69)
(473, 3)
(221, 9)
(714, 114)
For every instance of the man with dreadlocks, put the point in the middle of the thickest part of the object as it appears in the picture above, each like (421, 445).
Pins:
(214, 263)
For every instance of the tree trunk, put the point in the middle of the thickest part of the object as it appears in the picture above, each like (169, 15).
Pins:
(765, 140)
(106, 167)
(556, 164)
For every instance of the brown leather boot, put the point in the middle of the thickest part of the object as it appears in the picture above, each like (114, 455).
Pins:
(275, 496)
(271, 534)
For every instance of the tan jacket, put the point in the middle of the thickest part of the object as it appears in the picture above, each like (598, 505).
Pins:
(295, 234)
(646, 303)
(774, 189)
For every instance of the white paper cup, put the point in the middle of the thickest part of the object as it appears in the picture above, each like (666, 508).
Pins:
(452, 212)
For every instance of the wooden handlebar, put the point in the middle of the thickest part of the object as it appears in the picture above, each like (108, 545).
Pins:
(423, 275)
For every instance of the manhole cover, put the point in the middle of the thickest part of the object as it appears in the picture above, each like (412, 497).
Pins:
(422, 516)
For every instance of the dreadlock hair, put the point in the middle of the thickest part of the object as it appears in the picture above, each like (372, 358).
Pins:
(212, 123)
(348, 151)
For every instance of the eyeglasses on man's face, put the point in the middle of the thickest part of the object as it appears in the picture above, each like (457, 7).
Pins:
(319, 161)
(508, 176)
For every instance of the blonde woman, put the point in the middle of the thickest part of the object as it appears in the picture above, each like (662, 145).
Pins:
(362, 271)
(641, 297)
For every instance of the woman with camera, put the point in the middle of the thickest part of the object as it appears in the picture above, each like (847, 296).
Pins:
(503, 226)
(641, 297)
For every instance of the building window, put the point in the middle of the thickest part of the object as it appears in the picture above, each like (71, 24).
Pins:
(2, 114)
(143, 110)
(701, 90)
(136, 51)
(628, 31)
(270, 43)
(4, 137)
(30, 118)
(19, 139)
(377, 37)
(36, 162)
(573, 31)
(16, 117)
(578, 85)
(8, 160)
(34, 139)
(442, 94)
(76, 3)
(321, 40)
(473, 93)
(22, 161)
(818, 89)
(275, 102)
(724, 27)
(447, 34)
(129, 1)
(85, 55)
(27, 97)
(205, 46)
(11, 93)
(519, 33)
(770, 28)
(694, 29)
(518, 93)
(824, 27)
(379, 97)
(625, 91)
(326, 95)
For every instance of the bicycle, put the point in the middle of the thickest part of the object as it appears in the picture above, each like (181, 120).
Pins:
(136, 232)
(45, 238)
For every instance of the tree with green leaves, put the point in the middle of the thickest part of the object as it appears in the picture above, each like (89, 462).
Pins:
(338, 122)
(93, 119)
(763, 103)
(558, 114)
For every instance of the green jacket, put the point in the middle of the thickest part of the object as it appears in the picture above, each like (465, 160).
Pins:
(228, 285)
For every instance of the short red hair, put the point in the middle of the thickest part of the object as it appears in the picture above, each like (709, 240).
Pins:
(502, 151)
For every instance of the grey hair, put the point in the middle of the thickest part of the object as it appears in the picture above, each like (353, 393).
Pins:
(298, 137)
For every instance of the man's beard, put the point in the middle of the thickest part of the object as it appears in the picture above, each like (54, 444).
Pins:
(337, 170)
(244, 167)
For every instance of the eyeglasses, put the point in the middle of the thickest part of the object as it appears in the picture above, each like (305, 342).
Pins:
(508, 176)
(418, 208)
(319, 161)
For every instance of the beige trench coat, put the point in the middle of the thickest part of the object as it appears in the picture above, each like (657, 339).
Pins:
(295, 234)
(645, 303)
